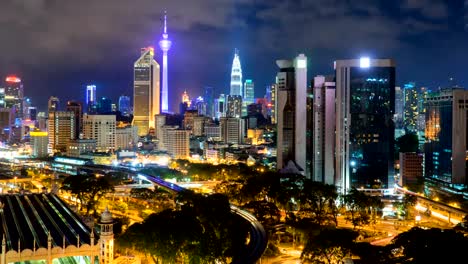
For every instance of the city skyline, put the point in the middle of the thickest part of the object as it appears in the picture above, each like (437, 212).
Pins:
(412, 27)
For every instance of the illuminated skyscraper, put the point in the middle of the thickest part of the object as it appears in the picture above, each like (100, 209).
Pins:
(146, 91)
(410, 116)
(186, 98)
(77, 109)
(249, 95)
(165, 45)
(124, 105)
(236, 75)
(364, 139)
(209, 100)
(234, 106)
(220, 106)
(91, 100)
(446, 136)
(399, 106)
(14, 95)
(292, 112)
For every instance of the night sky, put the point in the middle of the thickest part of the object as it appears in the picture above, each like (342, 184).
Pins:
(58, 46)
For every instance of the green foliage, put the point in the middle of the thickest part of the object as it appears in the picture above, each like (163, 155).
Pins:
(429, 246)
(362, 209)
(330, 246)
(87, 189)
(265, 212)
(203, 230)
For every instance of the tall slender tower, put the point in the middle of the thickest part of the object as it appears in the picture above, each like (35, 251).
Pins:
(165, 45)
(236, 75)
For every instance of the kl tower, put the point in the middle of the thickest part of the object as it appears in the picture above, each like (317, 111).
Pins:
(165, 45)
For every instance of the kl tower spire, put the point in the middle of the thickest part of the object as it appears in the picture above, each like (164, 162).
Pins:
(165, 45)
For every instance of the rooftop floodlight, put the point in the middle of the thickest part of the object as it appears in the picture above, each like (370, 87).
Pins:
(364, 62)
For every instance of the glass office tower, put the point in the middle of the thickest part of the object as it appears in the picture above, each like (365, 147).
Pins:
(365, 105)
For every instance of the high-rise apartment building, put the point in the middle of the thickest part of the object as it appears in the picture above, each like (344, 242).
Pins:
(39, 143)
(101, 128)
(292, 112)
(126, 138)
(236, 76)
(124, 105)
(323, 130)
(365, 104)
(232, 130)
(61, 128)
(91, 99)
(77, 109)
(178, 143)
(446, 136)
(234, 106)
(146, 91)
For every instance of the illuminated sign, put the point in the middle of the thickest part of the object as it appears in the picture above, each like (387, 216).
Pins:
(301, 64)
(248, 81)
(364, 62)
(70, 161)
(12, 79)
(38, 134)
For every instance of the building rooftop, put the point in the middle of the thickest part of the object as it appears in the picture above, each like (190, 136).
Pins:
(27, 221)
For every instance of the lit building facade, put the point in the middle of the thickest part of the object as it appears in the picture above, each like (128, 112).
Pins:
(76, 108)
(126, 138)
(101, 128)
(446, 136)
(411, 168)
(78, 147)
(14, 93)
(178, 143)
(292, 112)
(234, 106)
(165, 45)
(220, 106)
(236, 76)
(39, 143)
(232, 130)
(91, 99)
(410, 116)
(323, 130)
(61, 128)
(146, 91)
(365, 104)
(399, 107)
(249, 95)
(124, 105)
(208, 97)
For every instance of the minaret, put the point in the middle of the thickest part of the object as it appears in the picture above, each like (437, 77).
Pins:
(165, 45)
(106, 240)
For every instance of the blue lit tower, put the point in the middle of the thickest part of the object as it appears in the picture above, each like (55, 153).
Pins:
(236, 75)
(165, 45)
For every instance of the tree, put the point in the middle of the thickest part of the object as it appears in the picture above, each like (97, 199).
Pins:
(88, 189)
(429, 246)
(404, 207)
(317, 200)
(330, 246)
(361, 208)
(266, 212)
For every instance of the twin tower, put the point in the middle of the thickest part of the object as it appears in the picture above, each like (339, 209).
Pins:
(148, 97)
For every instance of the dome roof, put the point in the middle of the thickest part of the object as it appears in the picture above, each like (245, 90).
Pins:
(106, 217)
